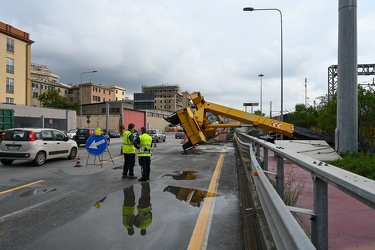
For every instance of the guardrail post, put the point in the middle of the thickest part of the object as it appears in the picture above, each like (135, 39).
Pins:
(280, 176)
(258, 152)
(265, 159)
(319, 223)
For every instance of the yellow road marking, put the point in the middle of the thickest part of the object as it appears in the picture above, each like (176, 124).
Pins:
(26, 185)
(199, 232)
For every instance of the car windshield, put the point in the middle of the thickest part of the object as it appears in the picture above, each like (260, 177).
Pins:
(151, 132)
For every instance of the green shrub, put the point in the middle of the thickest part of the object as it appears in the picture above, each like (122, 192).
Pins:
(359, 163)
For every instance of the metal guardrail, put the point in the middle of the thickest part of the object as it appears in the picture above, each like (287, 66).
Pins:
(286, 231)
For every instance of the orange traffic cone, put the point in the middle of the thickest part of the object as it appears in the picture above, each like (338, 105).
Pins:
(78, 163)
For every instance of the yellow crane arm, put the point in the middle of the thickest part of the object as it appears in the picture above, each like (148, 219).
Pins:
(202, 124)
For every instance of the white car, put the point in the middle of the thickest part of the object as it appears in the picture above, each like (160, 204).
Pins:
(36, 144)
(157, 135)
(71, 133)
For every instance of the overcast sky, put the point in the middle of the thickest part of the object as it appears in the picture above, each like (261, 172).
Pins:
(211, 46)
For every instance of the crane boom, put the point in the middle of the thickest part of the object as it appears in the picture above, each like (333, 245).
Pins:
(202, 124)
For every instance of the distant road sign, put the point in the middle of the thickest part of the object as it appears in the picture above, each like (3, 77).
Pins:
(251, 104)
(96, 145)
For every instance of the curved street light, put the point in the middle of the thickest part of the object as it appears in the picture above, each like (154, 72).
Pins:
(80, 117)
(281, 45)
(261, 96)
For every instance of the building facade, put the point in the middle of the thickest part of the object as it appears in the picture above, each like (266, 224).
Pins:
(42, 80)
(166, 97)
(15, 61)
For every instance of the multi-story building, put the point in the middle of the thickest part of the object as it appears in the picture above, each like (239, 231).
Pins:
(118, 93)
(42, 79)
(95, 93)
(166, 97)
(15, 61)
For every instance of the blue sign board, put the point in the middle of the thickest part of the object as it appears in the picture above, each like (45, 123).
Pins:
(96, 144)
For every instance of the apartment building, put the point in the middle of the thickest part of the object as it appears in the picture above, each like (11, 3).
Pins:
(42, 80)
(118, 93)
(166, 97)
(15, 62)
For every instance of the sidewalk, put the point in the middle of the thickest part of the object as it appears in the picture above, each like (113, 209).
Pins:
(351, 224)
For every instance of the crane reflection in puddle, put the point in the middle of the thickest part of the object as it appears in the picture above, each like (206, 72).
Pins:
(194, 196)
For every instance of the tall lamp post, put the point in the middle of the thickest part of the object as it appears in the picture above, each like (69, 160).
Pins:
(261, 96)
(80, 93)
(281, 45)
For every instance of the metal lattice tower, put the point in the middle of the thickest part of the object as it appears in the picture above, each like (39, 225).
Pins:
(363, 69)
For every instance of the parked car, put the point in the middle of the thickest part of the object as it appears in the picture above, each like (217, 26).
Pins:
(36, 144)
(157, 135)
(179, 134)
(71, 133)
(83, 134)
(114, 133)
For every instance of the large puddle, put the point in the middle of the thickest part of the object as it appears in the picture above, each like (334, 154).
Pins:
(149, 214)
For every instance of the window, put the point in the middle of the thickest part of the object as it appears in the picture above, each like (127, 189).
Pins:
(10, 85)
(47, 135)
(35, 85)
(10, 45)
(10, 65)
(9, 100)
(35, 95)
(58, 136)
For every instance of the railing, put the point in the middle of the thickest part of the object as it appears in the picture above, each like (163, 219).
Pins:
(286, 231)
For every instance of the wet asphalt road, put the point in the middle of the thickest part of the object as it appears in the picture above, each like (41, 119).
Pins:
(193, 197)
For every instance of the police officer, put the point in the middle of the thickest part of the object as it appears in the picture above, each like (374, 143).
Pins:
(129, 152)
(144, 144)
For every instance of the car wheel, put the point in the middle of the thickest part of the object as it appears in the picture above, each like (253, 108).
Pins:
(6, 162)
(73, 154)
(164, 139)
(40, 159)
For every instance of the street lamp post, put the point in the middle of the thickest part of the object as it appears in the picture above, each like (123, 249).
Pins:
(80, 116)
(281, 45)
(261, 96)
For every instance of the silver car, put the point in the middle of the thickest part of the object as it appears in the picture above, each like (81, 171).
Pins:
(36, 144)
(157, 135)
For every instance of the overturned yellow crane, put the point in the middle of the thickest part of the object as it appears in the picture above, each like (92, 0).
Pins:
(202, 124)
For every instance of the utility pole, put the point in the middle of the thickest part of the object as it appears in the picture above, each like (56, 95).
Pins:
(346, 134)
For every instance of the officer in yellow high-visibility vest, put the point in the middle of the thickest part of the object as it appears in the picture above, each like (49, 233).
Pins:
(144, 144)
(128, 150)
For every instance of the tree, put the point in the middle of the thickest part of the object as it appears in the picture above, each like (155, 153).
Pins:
(366, 116)
(258, 112)
(52, 99)
(303, 116)
(327, 117)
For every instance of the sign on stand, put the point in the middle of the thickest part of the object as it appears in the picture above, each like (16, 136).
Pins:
(96, 145)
